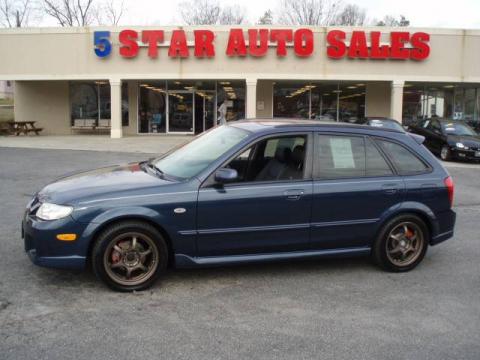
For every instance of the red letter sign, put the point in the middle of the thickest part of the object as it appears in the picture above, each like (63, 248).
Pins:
(377, 51)
(303, 42)
(337, 47)
(254, 48)
(420, 50)
(204, 43)
(236, 43)
(128, 38)
(178, 44)
(152, 38)
(281, 37)
(398, 39)
(358, 45)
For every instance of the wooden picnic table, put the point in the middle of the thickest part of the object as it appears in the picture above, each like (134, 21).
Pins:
(23, 127)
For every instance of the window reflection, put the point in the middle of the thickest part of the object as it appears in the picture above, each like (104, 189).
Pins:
(152, 108)
(193, 105)
(451, 101)
(232, 94)
(90, 104)
(328, 101)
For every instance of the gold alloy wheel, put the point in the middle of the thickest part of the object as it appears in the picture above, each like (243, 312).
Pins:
(131, 258)
(405, 243)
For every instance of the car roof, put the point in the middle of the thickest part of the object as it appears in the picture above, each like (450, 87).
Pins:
(261, 125)
(380, 119)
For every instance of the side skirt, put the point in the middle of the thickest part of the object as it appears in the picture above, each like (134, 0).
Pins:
(185, 261)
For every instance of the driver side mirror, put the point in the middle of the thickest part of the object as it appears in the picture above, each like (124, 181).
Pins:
(226, 175)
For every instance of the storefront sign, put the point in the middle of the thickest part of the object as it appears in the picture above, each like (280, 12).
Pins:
(256, 43)
(403, 45)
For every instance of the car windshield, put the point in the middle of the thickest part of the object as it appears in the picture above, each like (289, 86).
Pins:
(385, 124)
(195, 156)
(455, 128)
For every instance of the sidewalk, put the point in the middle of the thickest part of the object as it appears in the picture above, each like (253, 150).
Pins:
(157, 144)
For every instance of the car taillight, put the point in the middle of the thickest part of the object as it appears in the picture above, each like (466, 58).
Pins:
(450, 188)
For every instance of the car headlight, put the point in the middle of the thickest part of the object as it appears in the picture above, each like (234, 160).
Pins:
(48, 211)
(460, 146)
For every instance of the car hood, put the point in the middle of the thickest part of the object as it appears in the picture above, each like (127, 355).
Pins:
(99, 182)
(470, 141)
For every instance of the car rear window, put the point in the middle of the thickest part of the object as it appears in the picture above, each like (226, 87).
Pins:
(403, 159)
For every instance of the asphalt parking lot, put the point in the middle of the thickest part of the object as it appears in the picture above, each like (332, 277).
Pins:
(328, 309)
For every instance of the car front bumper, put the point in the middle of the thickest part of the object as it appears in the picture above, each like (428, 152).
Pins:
(470, 155)
(43, 248)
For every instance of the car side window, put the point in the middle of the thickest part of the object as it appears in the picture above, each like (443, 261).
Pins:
(436, 127)
(273, 159)
(403, 159)
(339, 156)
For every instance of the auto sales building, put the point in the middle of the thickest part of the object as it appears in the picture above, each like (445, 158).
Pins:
(182, 80)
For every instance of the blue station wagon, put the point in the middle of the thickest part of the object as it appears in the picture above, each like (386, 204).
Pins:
(246, 192)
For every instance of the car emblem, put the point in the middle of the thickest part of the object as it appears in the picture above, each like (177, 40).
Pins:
(180, 210)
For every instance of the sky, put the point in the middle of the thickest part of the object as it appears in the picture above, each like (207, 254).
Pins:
(463, 14)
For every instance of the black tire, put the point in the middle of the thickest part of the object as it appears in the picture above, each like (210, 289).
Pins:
(382, 252)
(147, 238)
(446, 153)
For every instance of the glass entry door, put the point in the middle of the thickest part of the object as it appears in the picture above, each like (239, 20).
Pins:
(181, 112)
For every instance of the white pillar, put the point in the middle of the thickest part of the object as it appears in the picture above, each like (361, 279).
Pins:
(396, 100)
(116, 131)
(251, 99)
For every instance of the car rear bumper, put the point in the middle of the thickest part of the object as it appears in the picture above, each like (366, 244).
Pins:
(43, 248)
(445, 224)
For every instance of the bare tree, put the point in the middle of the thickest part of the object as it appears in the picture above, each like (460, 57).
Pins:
(200, 12)
(266, 19)
(15, 13)
(70, 12)
(351, 15)
(110, 12)
(232, 15)
(310, 12)
(390, 20)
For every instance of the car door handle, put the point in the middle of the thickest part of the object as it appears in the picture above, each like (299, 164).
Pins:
(390, 188)
(293, 194)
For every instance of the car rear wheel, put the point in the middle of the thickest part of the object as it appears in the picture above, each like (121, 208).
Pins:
(129, 256)
(446, 153)
(402, 244)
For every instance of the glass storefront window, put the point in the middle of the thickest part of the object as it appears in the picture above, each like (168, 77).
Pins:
(84, 104)
(422, 102)
(351, 104)
(230, 94)
(180, 111)
(189, 106)
(291, 100)
(152, 110)
(450, 101)
(324, 102)
(90, 104)
(469, 105)
(329, 101)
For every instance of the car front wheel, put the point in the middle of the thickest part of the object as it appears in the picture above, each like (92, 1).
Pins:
(402, 244)
(129, 256)
(446, 153)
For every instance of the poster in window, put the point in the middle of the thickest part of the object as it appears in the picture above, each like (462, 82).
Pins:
(342, 153)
